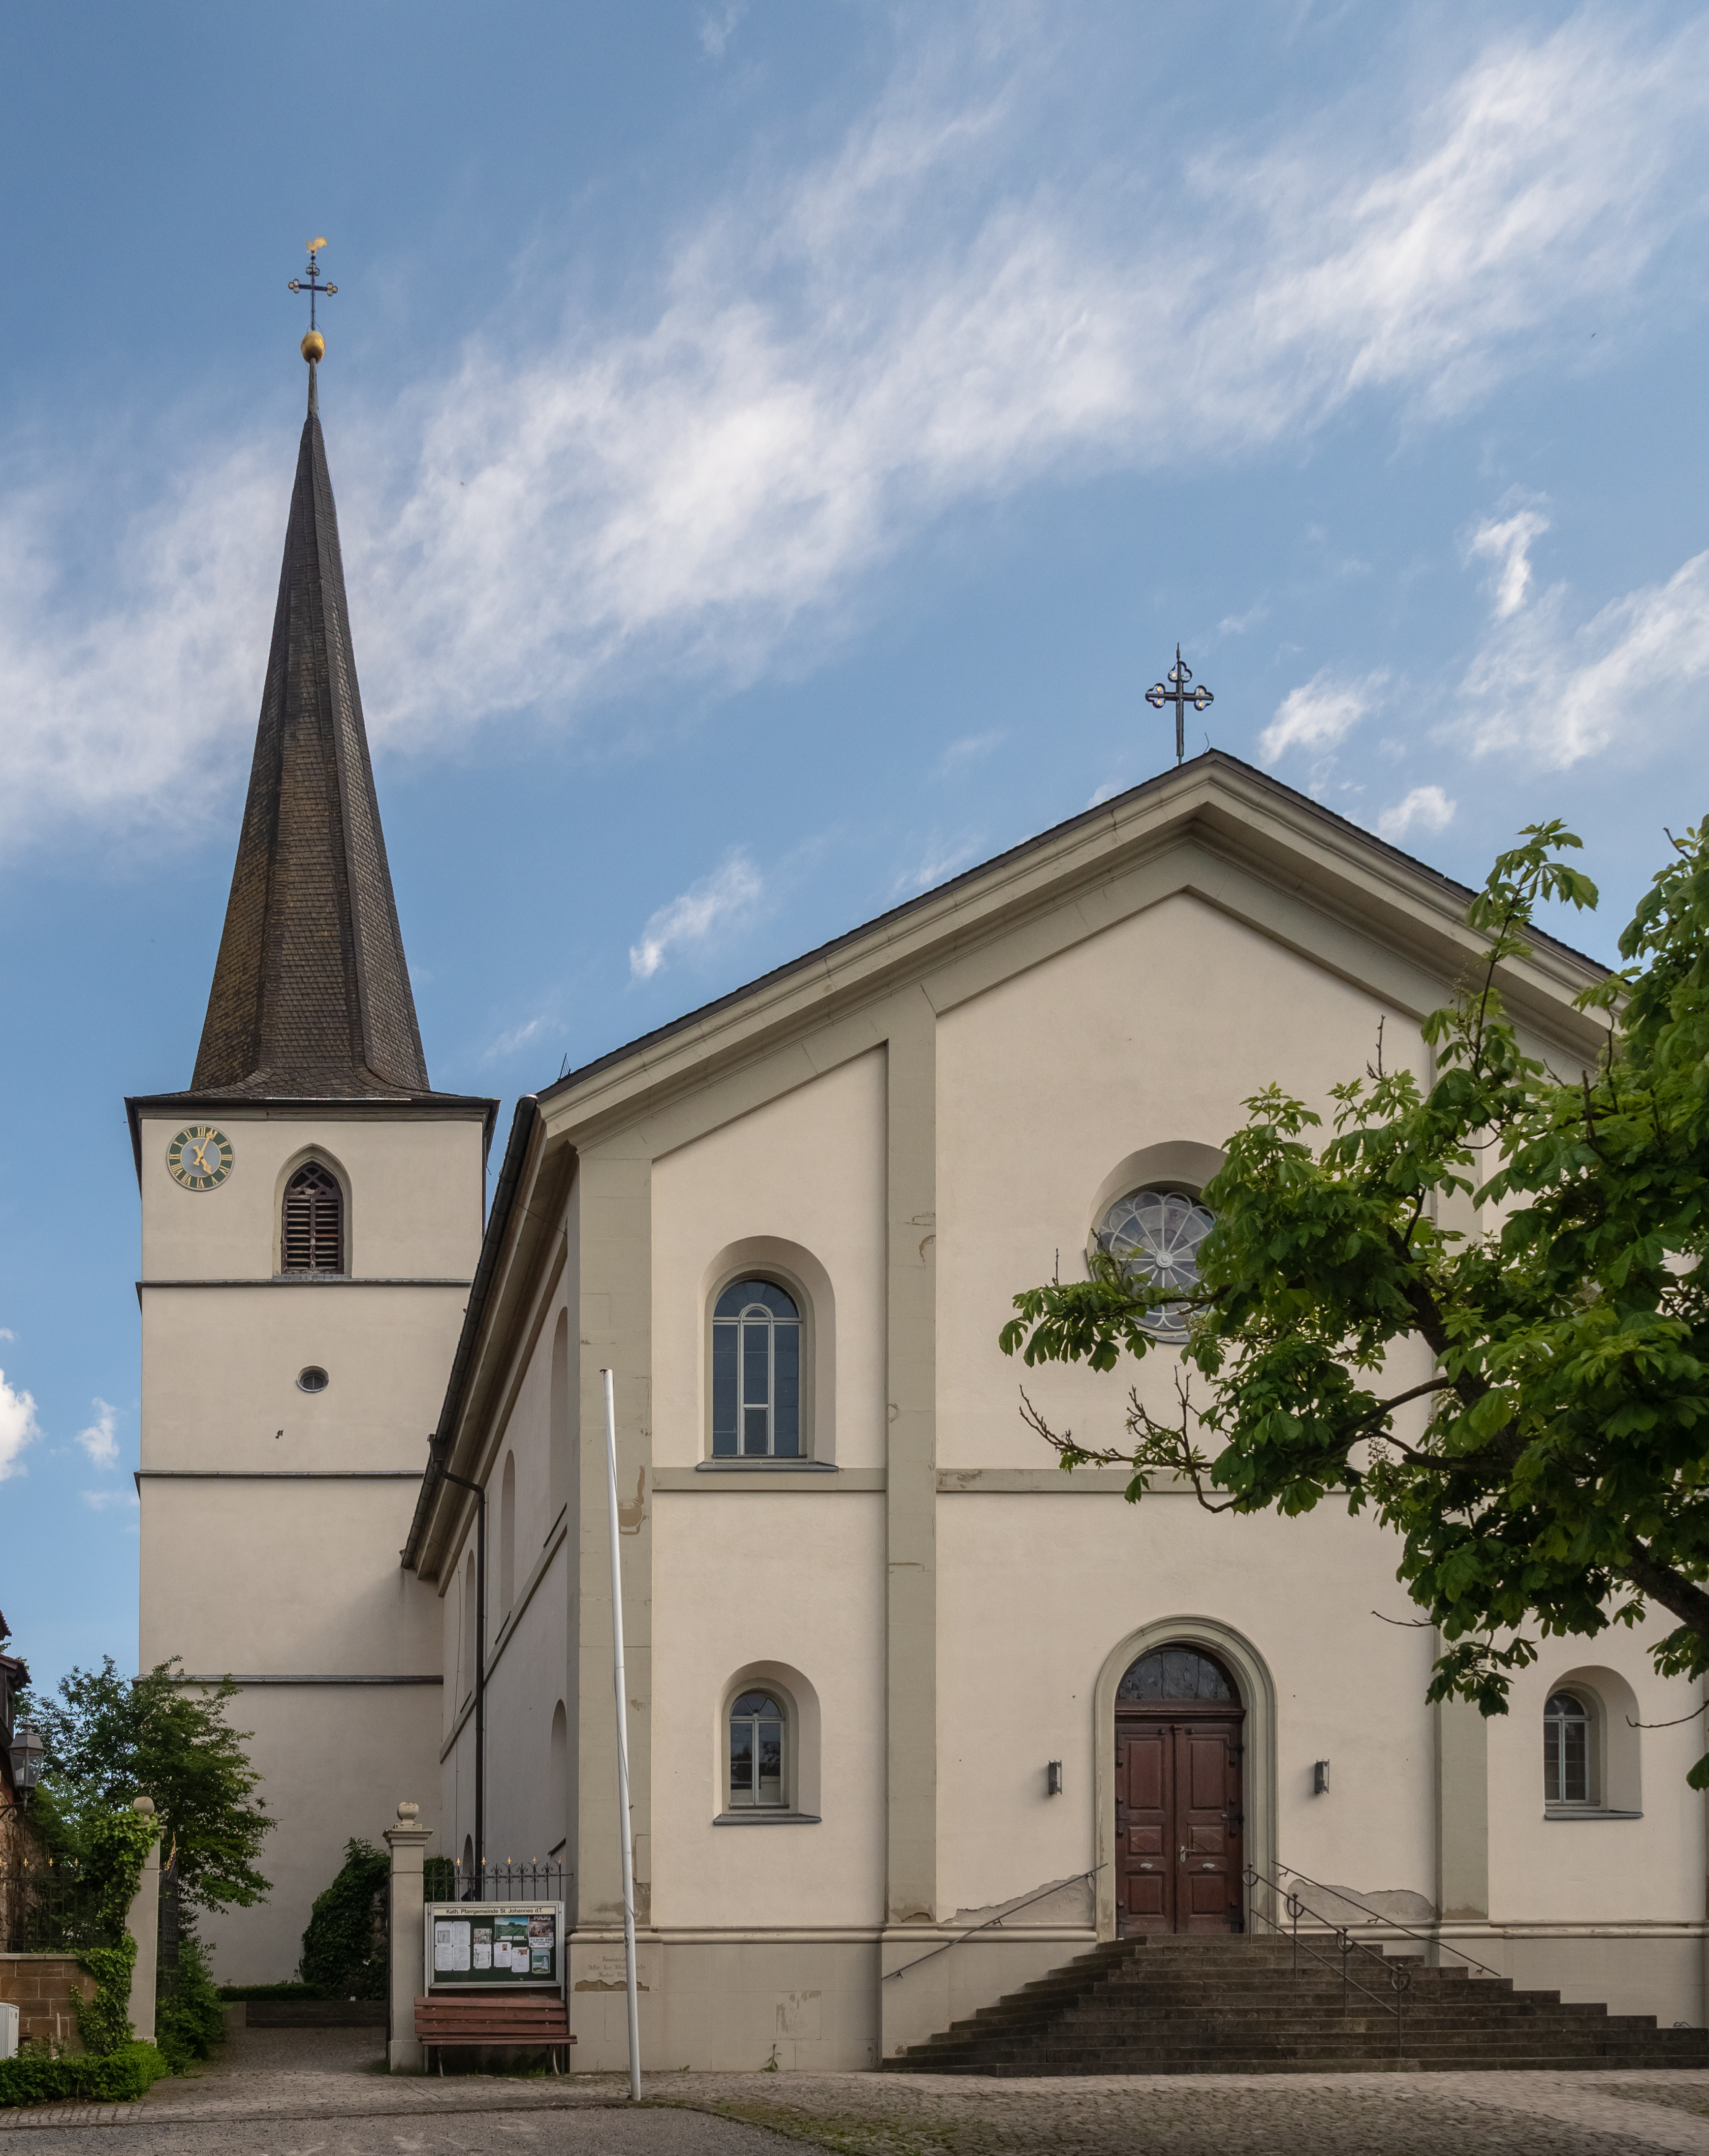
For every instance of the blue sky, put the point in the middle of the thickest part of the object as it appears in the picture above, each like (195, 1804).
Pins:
(776, 445)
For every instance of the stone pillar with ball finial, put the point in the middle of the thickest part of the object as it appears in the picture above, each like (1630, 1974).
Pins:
(142, 1921)
(406, 1904)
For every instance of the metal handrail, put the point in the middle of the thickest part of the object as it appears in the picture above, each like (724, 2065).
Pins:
(1423, 1938)
(1399, 1977)
(1044, 1894)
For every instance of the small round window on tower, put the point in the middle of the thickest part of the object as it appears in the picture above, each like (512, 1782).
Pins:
(314, 1380)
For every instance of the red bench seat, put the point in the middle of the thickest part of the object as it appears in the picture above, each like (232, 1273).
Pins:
(535, 2021)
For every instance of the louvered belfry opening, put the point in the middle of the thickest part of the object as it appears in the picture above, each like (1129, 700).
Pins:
(313, 1221)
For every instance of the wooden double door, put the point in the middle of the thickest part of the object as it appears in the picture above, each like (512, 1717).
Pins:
(1179, 1819)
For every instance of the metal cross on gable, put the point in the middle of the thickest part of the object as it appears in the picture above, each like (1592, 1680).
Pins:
(310, 284)
(1180, 695)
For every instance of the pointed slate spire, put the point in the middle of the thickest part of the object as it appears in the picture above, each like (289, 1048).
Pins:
(311, 996)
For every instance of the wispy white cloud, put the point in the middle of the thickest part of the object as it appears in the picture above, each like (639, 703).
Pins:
(1238, 625)
(719, 901)
(1425, 808)
(18, 1427)
(837, 355)
(938, 866)
(1320, 713)
(7, 1333)
(518, 1036)
(1557, 691)
(1505, 543)
(968, 749)
(100, 1440)
(718, 24)
(108, 1501)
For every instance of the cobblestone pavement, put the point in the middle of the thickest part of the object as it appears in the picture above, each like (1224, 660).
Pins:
(300, 2092)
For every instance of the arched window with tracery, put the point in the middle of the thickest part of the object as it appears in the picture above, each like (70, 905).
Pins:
(1154, 1236)
(758, 1728)
(1568, 1750)
(312, 1240)
(755, 1373)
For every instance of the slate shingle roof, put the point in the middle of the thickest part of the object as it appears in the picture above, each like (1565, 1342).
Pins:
(312, 995)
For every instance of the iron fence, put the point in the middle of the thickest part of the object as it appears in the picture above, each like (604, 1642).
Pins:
(509, 1881)
(46, 1905)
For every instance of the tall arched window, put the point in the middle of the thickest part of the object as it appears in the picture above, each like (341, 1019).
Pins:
(755, 1373)
(507, 1537)
(757, 1779)
(313, 1234)
(558, 1422)
(1568, 1763)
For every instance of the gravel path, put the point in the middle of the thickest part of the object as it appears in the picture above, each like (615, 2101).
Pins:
(322, 2092)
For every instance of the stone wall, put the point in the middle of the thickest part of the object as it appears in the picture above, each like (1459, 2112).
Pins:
(43, 1986)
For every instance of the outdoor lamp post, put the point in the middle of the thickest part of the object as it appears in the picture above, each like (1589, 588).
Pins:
(27, 1749)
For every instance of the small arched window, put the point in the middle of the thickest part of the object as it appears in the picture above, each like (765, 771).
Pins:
(1568, 1774)
(758, 1730)
(313, 1237)
(755, 1373)
(1154, 1236)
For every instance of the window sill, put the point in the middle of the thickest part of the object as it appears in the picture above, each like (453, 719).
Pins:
(758, 1818)
(768, 1466)
(1557, 1814)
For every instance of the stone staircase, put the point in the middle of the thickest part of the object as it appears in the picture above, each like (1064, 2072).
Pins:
(1235, 2007)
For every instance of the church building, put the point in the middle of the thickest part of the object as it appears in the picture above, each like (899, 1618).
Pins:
(914, 1716)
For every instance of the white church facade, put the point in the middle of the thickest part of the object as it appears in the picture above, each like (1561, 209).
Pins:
(892, 1674)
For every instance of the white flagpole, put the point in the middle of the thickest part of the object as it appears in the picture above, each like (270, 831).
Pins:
(622, 1747)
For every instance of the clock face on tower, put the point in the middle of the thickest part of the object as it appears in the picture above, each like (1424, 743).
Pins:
(200, 1157)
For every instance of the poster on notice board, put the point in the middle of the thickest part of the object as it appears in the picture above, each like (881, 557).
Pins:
(494, 1943)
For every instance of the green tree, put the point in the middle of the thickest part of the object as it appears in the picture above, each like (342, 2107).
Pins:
(110, 1738)
(344, 1946)
(1527, 1408)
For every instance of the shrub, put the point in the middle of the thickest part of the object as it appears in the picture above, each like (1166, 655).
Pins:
(234, 1994)
(188, 2022)
(344, 1949)
(120, 2076)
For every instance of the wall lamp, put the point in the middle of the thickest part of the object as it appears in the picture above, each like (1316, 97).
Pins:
(1320, 1778)
(26, 1759)
(1053, 1778)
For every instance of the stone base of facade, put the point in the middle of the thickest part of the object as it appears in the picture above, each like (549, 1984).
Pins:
(44, 1987)
(839, 2001)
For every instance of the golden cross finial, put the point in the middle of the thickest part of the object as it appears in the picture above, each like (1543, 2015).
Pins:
(314, 346)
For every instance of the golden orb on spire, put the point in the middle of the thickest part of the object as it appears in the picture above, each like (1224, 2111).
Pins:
(314, 347)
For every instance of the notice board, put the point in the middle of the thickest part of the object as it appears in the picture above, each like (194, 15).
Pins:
(494, 1945)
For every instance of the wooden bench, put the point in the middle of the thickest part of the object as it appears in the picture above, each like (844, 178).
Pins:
(537, 2020)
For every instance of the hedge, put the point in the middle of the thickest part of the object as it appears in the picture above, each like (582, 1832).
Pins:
(234, 1994)
(120, 2076)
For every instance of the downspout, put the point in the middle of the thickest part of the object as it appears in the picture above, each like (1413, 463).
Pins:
(480, 1489)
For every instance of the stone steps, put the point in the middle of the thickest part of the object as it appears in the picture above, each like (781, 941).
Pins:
(1194, 2006)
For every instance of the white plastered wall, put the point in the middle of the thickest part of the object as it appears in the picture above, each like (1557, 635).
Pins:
(807, 1169)
(1151, 1033)
(272, 1517)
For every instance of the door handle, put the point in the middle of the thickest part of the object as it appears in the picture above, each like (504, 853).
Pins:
(1183, 1852)
(1144, 1867)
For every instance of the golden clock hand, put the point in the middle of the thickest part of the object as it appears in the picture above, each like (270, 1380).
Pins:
(198, 1154)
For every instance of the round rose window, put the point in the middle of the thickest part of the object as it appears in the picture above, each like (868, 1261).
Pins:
(1154, 1235)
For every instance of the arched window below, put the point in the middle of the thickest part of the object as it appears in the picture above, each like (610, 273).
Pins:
(1568, 1750)
(755, 1373)
(312, 1240)
(757, 1761)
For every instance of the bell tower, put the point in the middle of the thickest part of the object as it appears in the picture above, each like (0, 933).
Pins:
(311, 1216)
